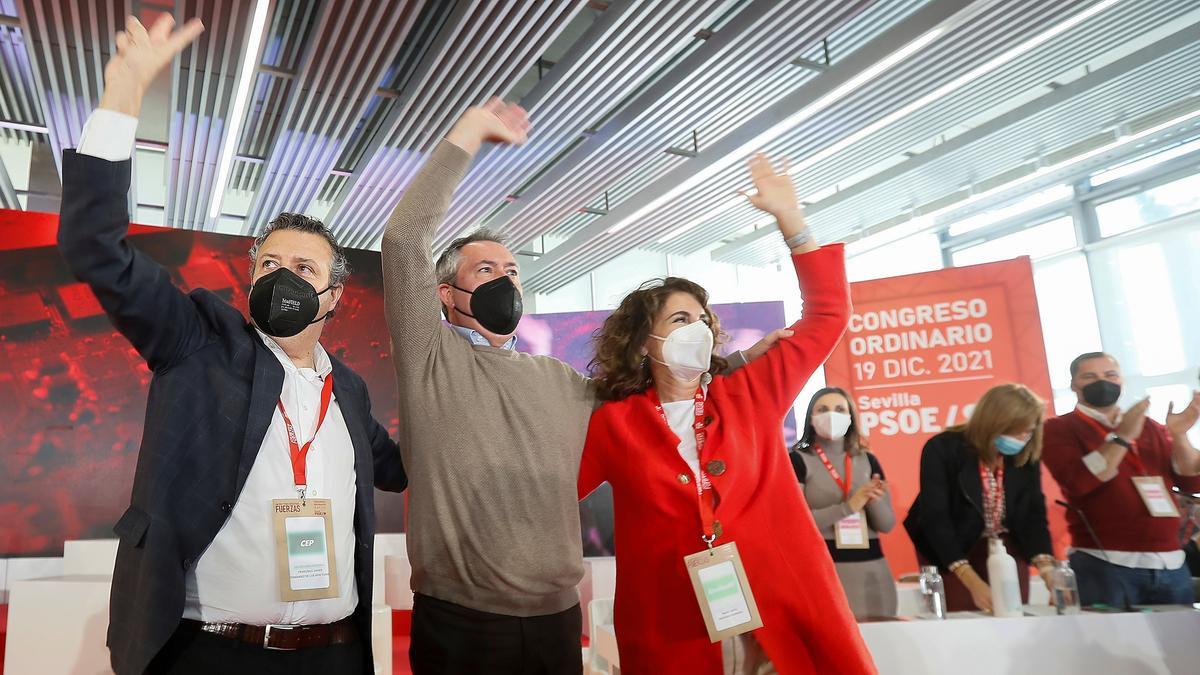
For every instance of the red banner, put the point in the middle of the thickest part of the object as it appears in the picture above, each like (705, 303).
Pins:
(920, 350)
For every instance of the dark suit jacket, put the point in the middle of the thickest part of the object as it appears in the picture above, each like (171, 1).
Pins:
(946, 519)
(212, 396)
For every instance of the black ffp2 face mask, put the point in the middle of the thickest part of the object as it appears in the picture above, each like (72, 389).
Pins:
(1101, 393)
(282, 304)
(496, 305)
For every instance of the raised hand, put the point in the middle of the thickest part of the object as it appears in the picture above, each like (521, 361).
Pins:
(1134, 420)
(493, 122)
(764, 344)
(1179, 423)
(868, 493)
(141, 56)
(774, 191)
(775, 194)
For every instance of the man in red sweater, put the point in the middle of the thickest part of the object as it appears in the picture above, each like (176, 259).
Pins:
(1116, 469)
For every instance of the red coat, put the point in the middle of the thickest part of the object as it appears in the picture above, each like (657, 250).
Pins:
(807, 624)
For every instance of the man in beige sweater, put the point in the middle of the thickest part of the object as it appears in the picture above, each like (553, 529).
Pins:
(492, 437)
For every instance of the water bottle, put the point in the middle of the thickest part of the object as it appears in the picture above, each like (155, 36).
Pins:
(1066, 589)
(1002, 577)
(933, 592)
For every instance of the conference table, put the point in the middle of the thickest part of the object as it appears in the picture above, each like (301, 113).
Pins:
(1146, 641)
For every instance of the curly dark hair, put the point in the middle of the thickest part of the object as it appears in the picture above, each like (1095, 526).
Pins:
(339, 268)
(619, 368)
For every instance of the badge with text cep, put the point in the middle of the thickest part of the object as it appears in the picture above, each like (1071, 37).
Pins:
(723, 592)
(304, 549)
(1154, 493)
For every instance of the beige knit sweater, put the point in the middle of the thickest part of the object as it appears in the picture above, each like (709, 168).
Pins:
(491, 439)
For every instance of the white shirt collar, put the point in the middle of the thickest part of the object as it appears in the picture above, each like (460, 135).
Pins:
(476, 338)
(322, 365)
(1099, 416)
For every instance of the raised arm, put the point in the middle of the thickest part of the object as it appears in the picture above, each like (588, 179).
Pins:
(410, 287)
(777, 377)
(1185, 460)
(138, 295)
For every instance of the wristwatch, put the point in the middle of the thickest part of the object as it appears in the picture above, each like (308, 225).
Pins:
(1114, 438)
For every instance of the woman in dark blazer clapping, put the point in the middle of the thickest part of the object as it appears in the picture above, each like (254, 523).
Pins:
(978, 481)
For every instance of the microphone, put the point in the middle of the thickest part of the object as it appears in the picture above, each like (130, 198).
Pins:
(1086, 523)
(1095, 540)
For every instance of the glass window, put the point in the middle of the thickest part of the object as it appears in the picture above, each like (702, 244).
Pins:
(1159, 203)
(1146, 293)
(1151, 308)
(1068, 312)
(1038, 241)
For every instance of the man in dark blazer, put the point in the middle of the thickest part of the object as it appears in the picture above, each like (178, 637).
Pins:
(200, 584)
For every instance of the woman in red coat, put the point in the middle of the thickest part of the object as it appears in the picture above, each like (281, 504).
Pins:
(677, 439)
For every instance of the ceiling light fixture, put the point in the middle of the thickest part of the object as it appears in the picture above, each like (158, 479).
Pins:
(233, 126)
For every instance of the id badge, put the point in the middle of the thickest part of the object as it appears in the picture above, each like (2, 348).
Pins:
(1154, 493)
(304, 549)
(723, 592)
(851, 532)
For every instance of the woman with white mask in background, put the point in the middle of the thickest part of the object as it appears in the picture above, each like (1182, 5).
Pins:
(720, 568)
(844, 486)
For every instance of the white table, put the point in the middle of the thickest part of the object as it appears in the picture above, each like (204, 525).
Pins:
(58, 624)
(1165, 642)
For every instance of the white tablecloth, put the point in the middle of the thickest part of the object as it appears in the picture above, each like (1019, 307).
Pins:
(1165, 642)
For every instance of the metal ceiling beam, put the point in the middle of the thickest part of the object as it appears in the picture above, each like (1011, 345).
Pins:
(702, 57)
(487, 57)
(201, 101)
(440, 43)
(564, 104)
(1183, 38)
(722, 153)
(319, 115)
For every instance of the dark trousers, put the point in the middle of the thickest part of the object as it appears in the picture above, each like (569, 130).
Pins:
(449, 639)
(193, 652)
(1103, 583)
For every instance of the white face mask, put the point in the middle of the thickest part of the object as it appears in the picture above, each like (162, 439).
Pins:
(687, 351)
(831, 425)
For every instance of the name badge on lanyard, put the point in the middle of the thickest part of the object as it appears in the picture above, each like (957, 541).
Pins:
(1154, 494)
(849, 532)
(718, 576)
(303, 527)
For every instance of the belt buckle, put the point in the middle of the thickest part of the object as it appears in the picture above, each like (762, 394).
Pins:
(267, 636)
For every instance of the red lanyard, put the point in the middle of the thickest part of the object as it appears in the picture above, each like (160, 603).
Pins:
(1133, 455)
(993, 497)
(704, 489)
(833, 472)
(300, 454)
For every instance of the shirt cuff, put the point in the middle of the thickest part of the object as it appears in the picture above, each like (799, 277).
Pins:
(108, 135)
(1095, 463)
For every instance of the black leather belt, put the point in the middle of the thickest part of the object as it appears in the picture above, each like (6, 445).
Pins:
(281, 636)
